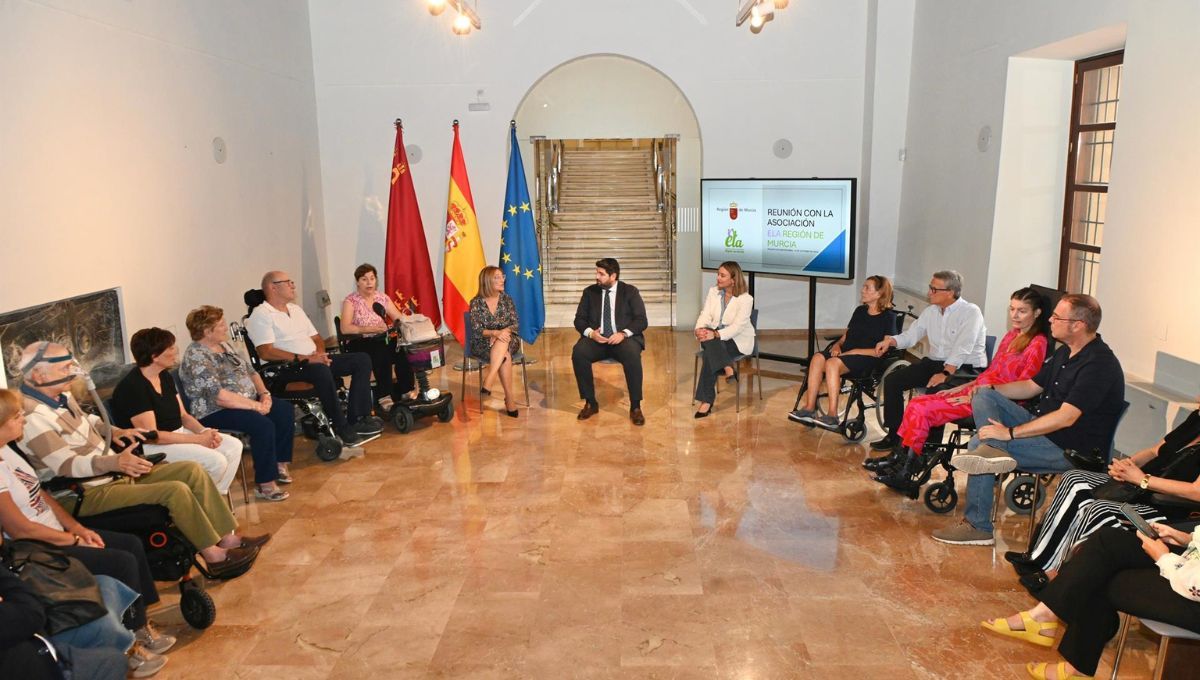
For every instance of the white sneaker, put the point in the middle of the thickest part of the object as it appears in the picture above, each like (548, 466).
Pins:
(143, 663)
(153, 640)
(985, 460)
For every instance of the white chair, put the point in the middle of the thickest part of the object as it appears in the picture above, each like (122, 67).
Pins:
(1166, 633)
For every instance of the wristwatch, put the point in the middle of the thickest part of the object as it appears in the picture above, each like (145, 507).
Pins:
(1145, 483)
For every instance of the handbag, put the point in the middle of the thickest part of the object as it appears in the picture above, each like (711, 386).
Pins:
(1128, 492)
(66, 589)
(417, 328)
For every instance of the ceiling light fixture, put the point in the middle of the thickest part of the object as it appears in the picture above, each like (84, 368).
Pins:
(758, 13)
(466, 17)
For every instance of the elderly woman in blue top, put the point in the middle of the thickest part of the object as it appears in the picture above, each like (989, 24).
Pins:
(226, 393)
(724, 331)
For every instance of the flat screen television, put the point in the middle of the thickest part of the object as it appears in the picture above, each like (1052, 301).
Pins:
(795, 227)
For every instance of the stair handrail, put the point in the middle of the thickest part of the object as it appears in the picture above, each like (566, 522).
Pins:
(659, 175)
(555, 172)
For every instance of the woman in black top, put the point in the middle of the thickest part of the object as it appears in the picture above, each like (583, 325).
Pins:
(852, 354)
(1170, 467)
(147, 398)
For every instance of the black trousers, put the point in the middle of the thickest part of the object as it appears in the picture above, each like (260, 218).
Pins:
(716, 355)
(354, 364)
(124, 559)
(383, 360)
(1111, 573)
(628, 353)
(898, 382)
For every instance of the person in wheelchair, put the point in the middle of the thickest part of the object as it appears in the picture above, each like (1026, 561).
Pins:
(1019, 357)
(360, 319)
(67, 442)
(1080, 395)
(27, 511)
(854, 354)
(957, 340)
(281, 331)
(1081, 506)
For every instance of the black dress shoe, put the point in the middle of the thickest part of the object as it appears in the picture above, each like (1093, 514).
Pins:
(883, 463)
(1015, 557)
(511, 414)
(702, 414)
(589, 409)
(889, 442)
(636, 417)
(1034, 582)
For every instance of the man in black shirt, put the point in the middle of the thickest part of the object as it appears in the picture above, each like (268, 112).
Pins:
(1080, 395)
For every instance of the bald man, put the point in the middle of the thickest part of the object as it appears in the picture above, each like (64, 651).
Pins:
(281, 331)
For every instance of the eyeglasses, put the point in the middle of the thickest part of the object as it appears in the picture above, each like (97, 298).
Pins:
(938, 290)
(287, 281)
(1066, 319)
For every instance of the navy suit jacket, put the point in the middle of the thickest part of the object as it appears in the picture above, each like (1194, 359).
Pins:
(630, 311)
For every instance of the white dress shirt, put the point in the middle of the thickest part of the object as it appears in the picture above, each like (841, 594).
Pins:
(956, 335)
(612, 311)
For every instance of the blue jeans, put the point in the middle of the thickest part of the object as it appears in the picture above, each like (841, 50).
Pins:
(1033, 454)
(271, 436)
(106, 631)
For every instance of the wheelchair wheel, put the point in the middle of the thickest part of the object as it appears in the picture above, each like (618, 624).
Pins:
(447, 412)
(403, 419)
(855, 430)
(1018, 494)
(892, 368)
(941, 497)
(196, 605)
(328, 448)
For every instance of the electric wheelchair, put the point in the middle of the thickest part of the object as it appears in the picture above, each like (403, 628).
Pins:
(278, 377)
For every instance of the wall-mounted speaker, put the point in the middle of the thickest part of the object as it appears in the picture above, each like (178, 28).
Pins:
(782, 148)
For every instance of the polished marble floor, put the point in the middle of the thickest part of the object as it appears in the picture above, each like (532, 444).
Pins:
(738, 546)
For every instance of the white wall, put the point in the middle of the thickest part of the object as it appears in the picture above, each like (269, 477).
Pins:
(1027, 225)
(107, 175)
(961, 53)
(1148, 264)
(802, 78)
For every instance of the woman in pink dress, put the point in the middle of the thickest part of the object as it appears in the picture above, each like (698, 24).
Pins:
(1018, 357)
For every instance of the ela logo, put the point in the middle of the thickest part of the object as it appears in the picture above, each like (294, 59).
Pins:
(733, 211)
(732, 240)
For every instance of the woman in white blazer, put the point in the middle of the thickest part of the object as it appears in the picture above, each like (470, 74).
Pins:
(724, 330)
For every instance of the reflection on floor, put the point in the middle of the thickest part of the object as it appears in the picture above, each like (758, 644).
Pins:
(737, 546)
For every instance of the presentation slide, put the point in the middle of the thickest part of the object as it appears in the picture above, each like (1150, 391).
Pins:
(798, 227)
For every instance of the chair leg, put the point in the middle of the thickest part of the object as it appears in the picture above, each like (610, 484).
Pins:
(996, 497)
(481, 388)
(1033, 508)
(737, 392)
(1124, 633)
(525, 382)
(462, 397)
(695, 376)
(1161, 662)
(245, 487)
(758, 375)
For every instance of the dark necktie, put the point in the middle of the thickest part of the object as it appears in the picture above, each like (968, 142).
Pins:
(606, 328)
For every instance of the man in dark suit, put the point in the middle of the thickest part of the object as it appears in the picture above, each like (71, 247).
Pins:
(611, 319)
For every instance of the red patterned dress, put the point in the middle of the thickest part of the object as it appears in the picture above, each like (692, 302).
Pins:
(931, 410)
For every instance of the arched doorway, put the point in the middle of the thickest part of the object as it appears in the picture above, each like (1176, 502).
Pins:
(615, 147)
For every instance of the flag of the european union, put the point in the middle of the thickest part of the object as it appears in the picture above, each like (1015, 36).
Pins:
(519, 248)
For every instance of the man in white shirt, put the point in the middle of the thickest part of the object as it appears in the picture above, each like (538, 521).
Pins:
(281, 331)
(956, 340)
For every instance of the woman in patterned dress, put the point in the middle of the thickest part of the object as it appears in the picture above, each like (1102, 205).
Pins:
(494, 333)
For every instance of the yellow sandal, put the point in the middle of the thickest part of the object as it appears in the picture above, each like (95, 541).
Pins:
(1032, 632)
(1038, 671)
